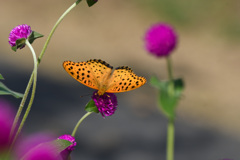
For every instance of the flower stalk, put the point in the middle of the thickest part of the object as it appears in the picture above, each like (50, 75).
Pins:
(170, 140)
(31, 98)
(170, 129)
(55, 27)
(79, 122)
(36, 63)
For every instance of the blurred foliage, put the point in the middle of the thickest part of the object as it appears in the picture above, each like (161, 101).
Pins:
(221, 17)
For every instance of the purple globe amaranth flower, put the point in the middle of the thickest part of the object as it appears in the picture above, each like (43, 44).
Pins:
(65, 154)
(19, 32)
(6, 120)
(160, 39)
(70, 139)
(106, 103)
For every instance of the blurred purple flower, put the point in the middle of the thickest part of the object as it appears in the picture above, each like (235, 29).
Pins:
(66, 153)
(36, 148)
(43, 152)
(106, 103)
(21, 31)
(160, 39)
(6, 120)
(30, 142)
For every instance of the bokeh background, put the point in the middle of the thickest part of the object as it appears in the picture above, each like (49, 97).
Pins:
(207, 58)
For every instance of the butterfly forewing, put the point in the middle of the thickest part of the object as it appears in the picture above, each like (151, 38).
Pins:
(81, 72)
(124, 79)
(91, 73)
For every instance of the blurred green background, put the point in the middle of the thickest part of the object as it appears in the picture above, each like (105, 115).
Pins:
(207, 58)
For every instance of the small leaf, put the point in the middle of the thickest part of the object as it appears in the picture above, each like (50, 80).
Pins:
(169, 94)
(155, 82)
(34, 35)
(91, 2)
(14, 48)
(91, 107)
(61, 144)
(78, 1)
(4, 90)
(20, 43)
(1, 77)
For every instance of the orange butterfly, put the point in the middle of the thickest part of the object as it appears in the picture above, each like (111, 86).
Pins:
(96, 74)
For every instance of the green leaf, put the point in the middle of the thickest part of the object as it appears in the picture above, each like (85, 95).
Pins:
(34, 35)
(91, 107)
(91, 2)
(1, 77)
(4, 90)
(169, 94)
(155, 82)
(20, 43)
(61, 144)
(14, 48)
(78, 1)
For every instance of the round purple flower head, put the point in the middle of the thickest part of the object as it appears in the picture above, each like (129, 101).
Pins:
(65, 154)
(160, 39)
(70, 139)
(21, 31)
(106, 103)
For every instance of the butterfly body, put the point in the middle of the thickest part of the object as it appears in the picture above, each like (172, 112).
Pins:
(97, 74)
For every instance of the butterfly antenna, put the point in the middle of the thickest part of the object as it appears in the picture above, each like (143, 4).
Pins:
(85, 95)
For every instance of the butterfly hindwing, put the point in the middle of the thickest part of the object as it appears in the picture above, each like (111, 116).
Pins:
(124, 79)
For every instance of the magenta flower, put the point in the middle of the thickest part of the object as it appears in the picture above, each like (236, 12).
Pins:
(6, 120)
(160, 40)
(70, 139)
(106, 103)
(66, 153)
(19, 32)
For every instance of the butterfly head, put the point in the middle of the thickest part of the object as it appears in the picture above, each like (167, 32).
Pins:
(101, 91)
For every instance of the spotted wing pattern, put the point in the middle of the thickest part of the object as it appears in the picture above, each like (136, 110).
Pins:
(91, 73)
(124, 79)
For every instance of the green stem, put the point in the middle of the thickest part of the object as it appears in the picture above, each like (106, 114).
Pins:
(79, 122)
(169, 67)
(39, 60)
(54, 28)
(32, 95)
(170, 77)
(170, 140)
(21, 107)
(170, 129)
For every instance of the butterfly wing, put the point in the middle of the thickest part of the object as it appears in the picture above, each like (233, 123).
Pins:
(124, 79)
(91, 73)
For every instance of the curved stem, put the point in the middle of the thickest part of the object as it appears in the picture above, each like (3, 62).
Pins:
(21, 107)
(32, 75)
(79, 122)
(54, 28)
(32, 95)
(170, 140)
